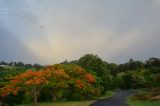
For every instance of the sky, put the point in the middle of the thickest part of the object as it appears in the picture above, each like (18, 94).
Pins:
(51, 31)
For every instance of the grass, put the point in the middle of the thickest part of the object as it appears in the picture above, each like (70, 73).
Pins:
(74, 103)
(108, 94)
(143, 103)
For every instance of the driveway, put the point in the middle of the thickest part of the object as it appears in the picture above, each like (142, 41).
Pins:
(119, 99)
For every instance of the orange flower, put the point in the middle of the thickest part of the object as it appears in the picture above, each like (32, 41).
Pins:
(79, 84)
(14, 93)
(90, 78)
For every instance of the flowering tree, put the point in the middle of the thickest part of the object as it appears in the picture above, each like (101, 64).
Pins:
(79, 82)
(85, 82)
(31, 82)
(54, 78)
(6, 90)
(57, 80)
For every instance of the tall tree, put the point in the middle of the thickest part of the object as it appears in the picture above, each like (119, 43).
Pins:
(96, 65)
(32, 82)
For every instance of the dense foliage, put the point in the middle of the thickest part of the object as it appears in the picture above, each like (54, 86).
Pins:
(69, 82)
(85, 78)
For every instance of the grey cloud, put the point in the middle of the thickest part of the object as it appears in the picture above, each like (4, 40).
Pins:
(56, 29)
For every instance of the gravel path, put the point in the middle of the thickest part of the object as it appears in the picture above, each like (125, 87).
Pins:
(119, 99)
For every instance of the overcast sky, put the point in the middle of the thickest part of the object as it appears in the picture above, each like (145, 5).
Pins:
(50, 31)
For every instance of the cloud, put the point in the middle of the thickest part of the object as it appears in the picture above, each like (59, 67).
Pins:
(67, 29)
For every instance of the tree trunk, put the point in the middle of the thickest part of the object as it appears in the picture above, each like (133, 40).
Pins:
(54, 98)
(0, 103)
(35, 93)
(1, 100)
(35, 101)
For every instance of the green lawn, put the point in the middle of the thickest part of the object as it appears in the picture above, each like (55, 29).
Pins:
(133, 102)
(143, 103)
(108, 94)
(75, 103)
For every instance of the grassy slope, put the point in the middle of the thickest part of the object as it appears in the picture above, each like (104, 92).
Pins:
(143, 103)
(132, 102)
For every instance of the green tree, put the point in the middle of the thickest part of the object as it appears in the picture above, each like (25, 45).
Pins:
(93, 63)
(80, 84)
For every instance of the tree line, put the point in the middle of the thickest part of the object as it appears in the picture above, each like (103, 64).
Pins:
(21, 64)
